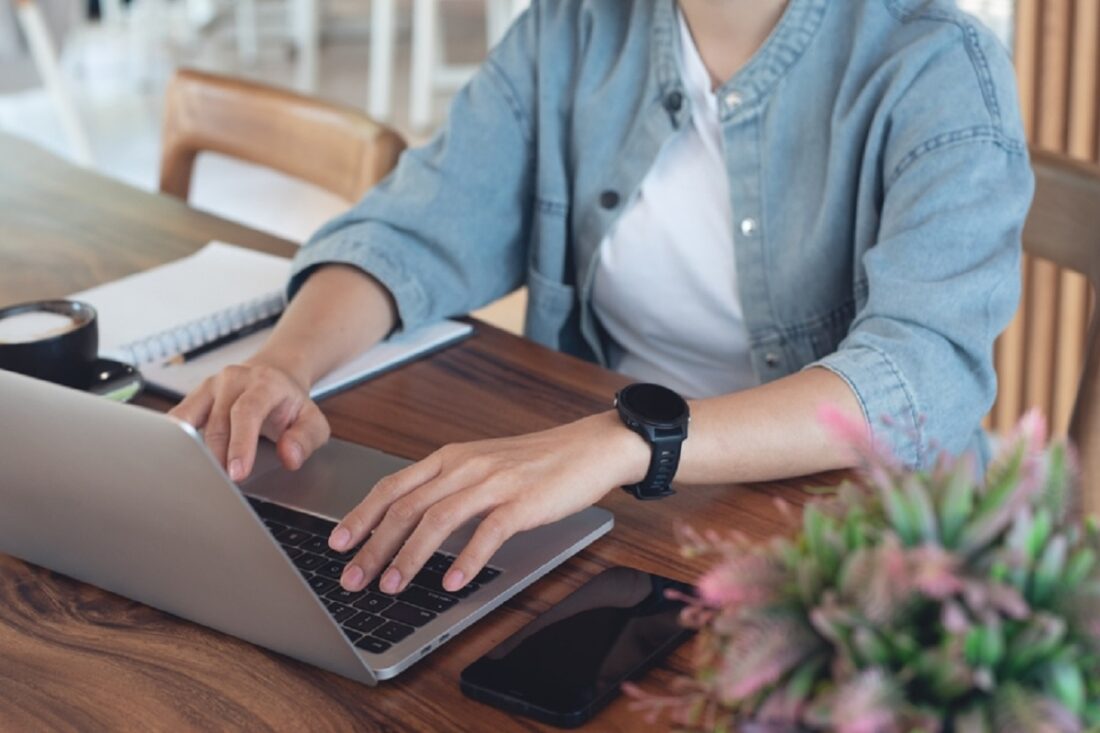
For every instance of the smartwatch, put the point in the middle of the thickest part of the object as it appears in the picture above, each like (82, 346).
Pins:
(661, 417)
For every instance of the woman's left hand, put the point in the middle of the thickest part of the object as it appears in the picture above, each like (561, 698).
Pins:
(514, 483)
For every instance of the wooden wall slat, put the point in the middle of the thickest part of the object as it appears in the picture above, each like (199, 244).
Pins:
(1039, 358)
(1010, 348)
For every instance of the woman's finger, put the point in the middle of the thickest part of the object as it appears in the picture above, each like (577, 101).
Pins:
(493, 532)
(246, 420)
(308, 432)
(195, 407)
(354, 527)
(395, 526)
(435, 526)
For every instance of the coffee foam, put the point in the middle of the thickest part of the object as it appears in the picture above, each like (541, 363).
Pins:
(23, 328)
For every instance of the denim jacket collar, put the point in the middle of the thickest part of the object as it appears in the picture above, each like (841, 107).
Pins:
(755, 81)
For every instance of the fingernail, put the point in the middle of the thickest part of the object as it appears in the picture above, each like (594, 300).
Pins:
(235, 470)
(390, 580)
(339, 539)
(295, 452)
(353, 576)
(454, 580)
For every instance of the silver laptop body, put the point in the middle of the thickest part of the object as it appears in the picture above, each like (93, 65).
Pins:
(131, 500)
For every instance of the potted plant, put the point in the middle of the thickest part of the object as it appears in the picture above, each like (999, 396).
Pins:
(906, 601)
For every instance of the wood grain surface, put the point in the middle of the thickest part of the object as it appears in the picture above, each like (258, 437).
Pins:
(73, 657)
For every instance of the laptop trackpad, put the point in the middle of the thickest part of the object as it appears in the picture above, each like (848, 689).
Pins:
(331, 483)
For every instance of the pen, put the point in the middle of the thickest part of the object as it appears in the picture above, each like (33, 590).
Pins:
(223, 340)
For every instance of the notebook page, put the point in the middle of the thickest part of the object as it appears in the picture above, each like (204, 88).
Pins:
(181, 379)
(216, 278)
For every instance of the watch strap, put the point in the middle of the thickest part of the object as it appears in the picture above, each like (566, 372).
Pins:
(663, 462)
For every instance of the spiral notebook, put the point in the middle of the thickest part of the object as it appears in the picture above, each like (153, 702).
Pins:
(149, 318)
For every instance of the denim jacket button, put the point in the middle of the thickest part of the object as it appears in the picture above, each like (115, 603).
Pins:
(749, 226)
(733, 100)
(609, 199)
(674, 101)
(771, 359)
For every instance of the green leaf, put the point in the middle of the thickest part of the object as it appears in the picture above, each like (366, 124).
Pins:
(1039, 534)
(869, 647)
(924, 516)
(1048, 573)
(1036, 642)
(956, 503)
(820, 534)
(901, 516)
(1058, 485)
(985, 645)
(1002, 482)
(1068, 685)
(1079, 567)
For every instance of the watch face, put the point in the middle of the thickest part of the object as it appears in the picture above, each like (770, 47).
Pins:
(654, 403)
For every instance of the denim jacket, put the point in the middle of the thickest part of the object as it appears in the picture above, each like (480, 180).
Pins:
(877, 166)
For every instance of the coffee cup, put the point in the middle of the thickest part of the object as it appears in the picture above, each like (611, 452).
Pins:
(54, 340)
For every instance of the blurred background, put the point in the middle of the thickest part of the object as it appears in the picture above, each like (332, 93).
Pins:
(114, 60)
(86, 80)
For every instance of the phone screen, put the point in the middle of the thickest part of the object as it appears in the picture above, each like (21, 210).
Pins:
(566, 664)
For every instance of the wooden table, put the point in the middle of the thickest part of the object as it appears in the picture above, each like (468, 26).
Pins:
(73, 656)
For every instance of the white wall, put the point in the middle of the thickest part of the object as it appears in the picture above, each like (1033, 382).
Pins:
(997, 14)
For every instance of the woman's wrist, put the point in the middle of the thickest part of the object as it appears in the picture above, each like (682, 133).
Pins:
(297, 369)
(627, 453)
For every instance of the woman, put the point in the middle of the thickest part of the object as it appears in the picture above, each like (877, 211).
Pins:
(766, 205)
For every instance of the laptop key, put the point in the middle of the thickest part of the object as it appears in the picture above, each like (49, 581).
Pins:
(407, 614)
(425, 598)
(372, 645)
(344, 596)
(466, 590)
(374, 602)
(487, 573)
(353, 636)
(431, 580)
(393, 632)
(306, 561)
(439, 563)
(292, 537)
(342, 556)
(316, 545)
(274, 527)
(298, 520)
(365, 622)
(293, 552)
(341, 613)
(320, 585)
(331, 569)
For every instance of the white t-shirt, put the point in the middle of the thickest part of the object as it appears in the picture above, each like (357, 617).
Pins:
(666, 284)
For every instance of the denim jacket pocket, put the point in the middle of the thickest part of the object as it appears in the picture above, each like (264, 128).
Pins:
(549, 305)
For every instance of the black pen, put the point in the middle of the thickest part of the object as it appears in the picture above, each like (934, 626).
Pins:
(223, 340)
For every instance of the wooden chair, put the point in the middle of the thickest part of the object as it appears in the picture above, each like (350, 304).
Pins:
(44, 53)
(337, 148)
(1064, 227)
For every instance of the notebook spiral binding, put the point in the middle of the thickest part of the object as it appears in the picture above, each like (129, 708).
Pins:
(181, 339)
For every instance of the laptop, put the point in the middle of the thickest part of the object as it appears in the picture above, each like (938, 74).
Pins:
(132, 501)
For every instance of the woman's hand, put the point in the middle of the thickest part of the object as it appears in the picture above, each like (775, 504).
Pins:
(514, 483)
(241, 403)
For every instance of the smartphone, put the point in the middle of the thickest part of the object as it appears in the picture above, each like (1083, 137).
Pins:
(567, 664)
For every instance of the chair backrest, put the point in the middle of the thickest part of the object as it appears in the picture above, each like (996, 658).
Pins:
(1064, 227)
(336, 148)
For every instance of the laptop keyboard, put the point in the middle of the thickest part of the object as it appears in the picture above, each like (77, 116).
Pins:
(373, 621)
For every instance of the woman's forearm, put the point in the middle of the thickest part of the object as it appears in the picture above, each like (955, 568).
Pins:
(768, 432)
(339, 312)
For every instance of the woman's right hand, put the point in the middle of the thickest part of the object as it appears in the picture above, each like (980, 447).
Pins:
(243, 402)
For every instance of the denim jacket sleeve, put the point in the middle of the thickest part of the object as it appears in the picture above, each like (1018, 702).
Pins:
(943, 276)
(442, 235)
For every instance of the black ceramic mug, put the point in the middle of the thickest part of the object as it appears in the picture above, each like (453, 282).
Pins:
(54, 340)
